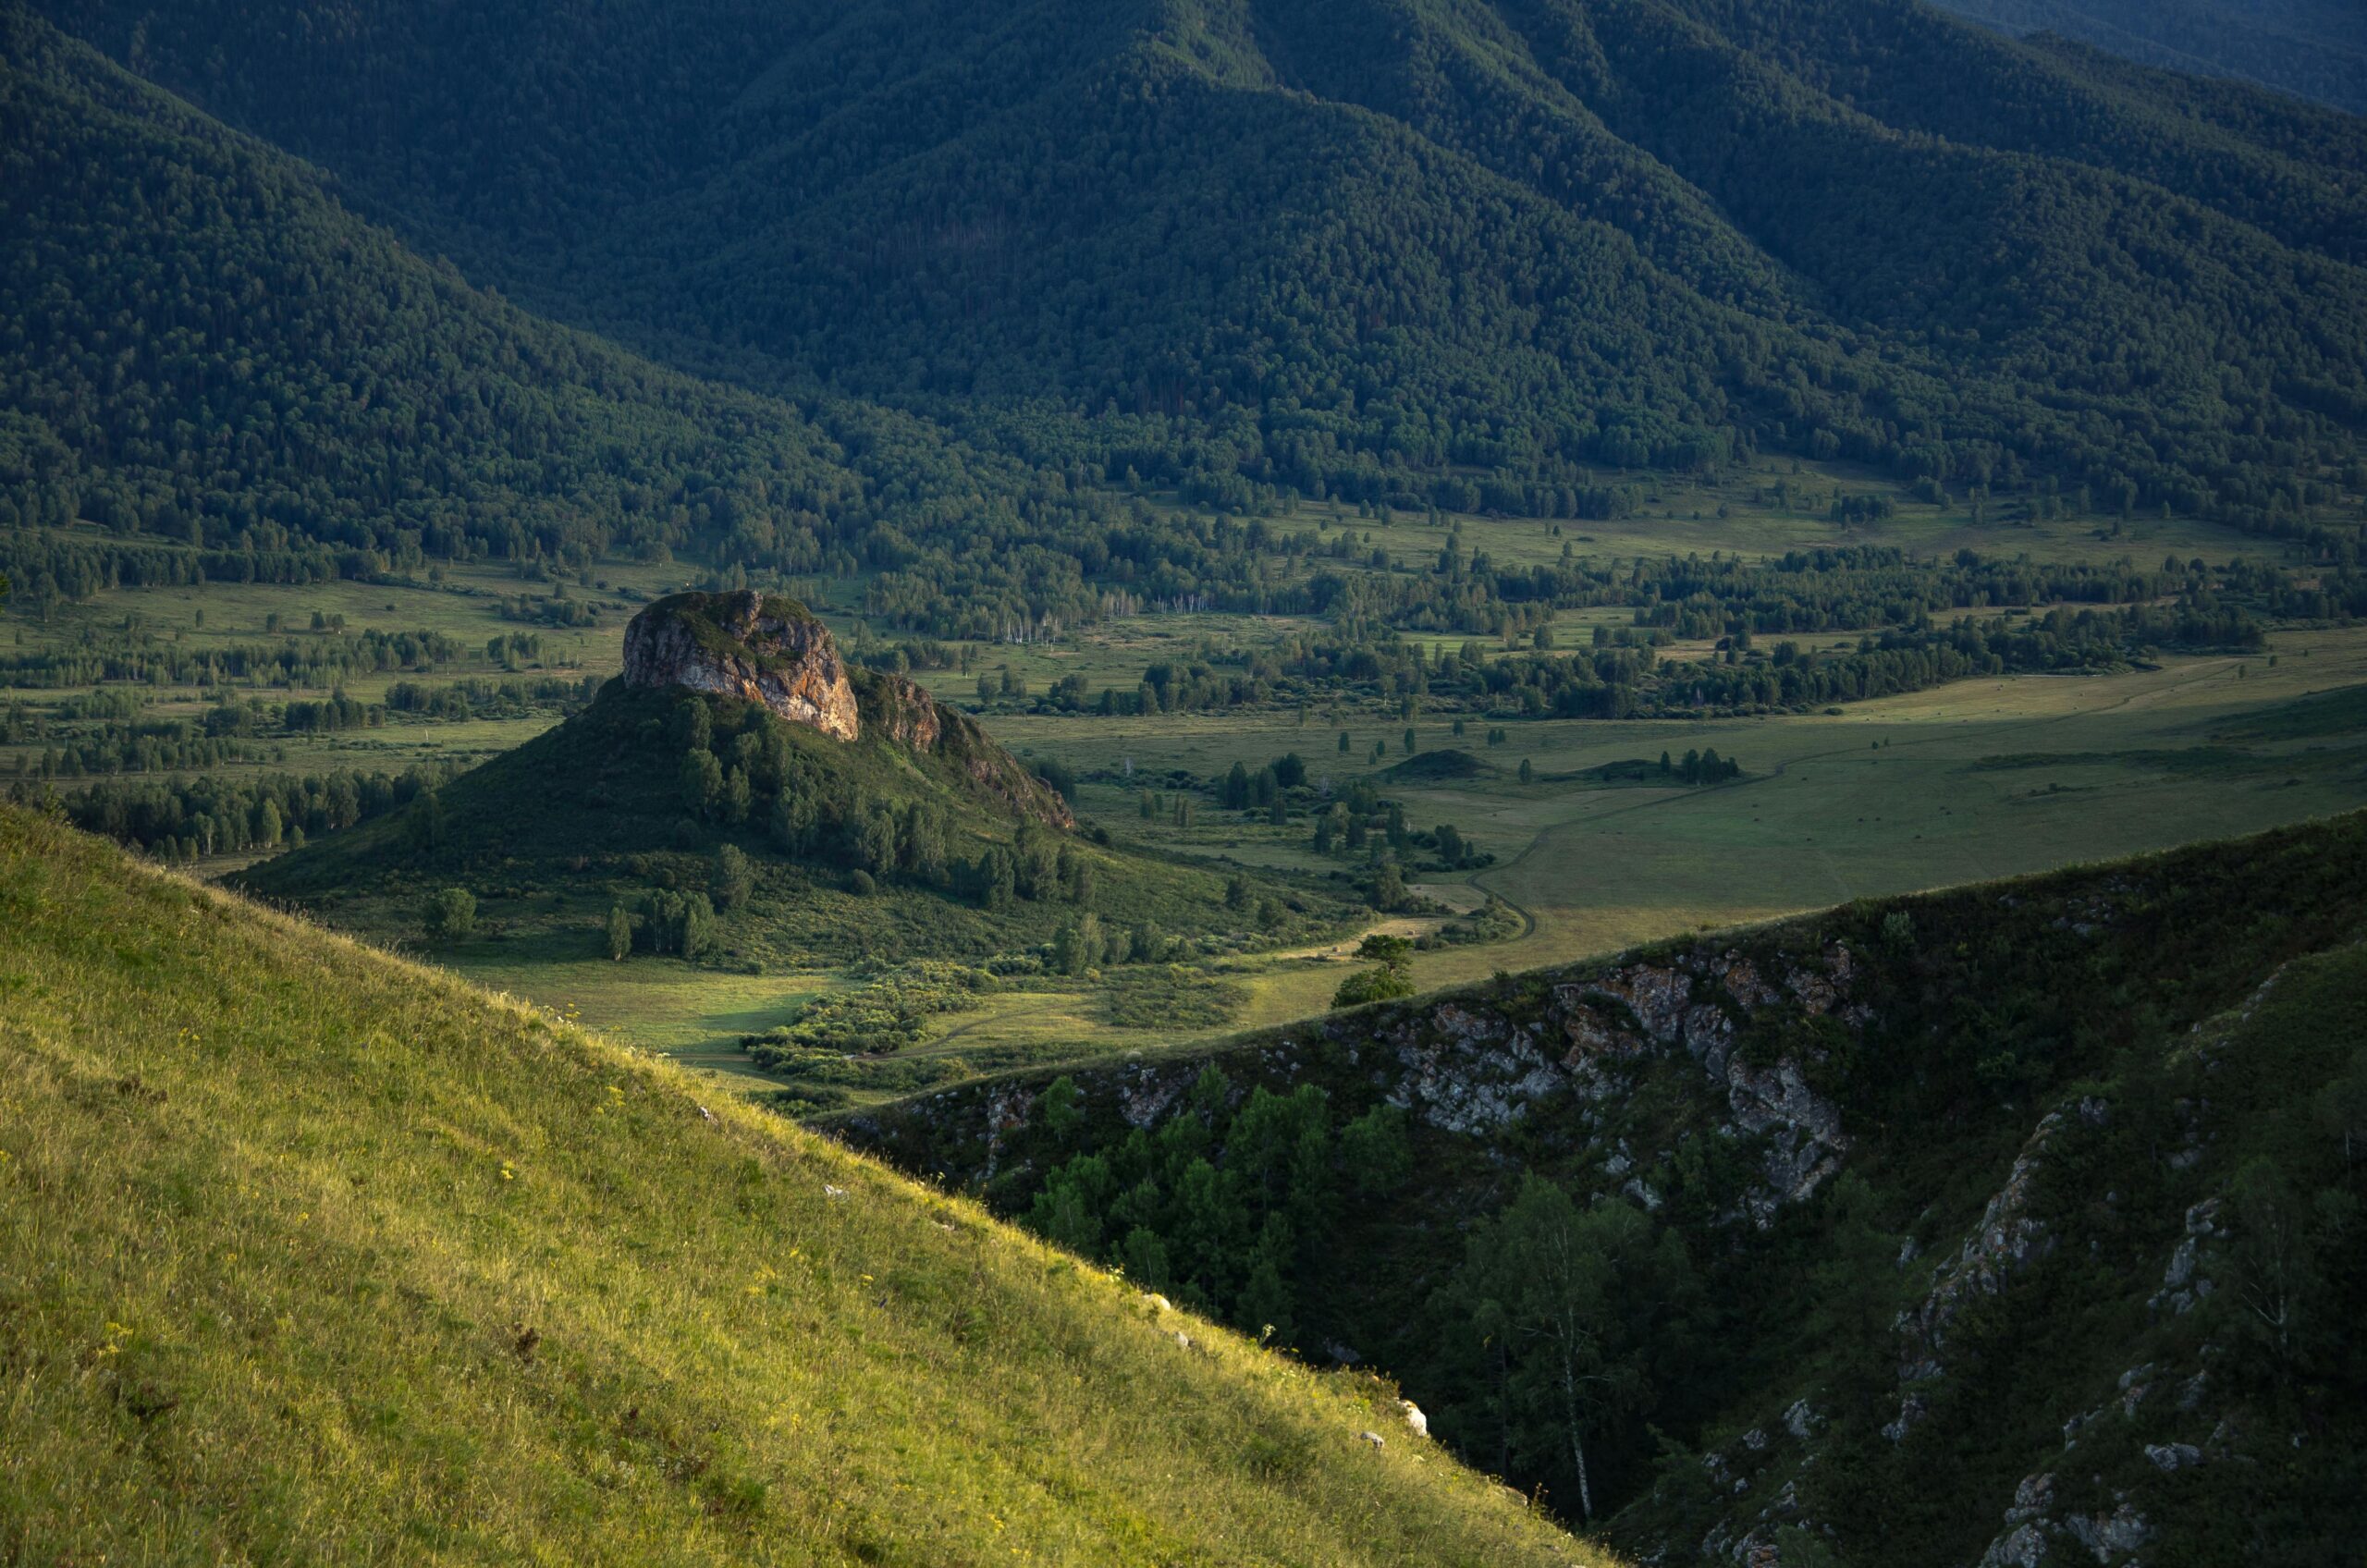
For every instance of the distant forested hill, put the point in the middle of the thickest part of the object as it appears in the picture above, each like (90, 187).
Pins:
(2315, 48)
(197, 340)
(1343, 249)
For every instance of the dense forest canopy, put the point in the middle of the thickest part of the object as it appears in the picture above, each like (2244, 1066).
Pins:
(1377, 250)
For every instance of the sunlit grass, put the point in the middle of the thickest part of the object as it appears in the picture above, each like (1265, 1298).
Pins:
(308, 1255)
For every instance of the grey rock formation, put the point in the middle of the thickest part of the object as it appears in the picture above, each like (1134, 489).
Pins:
(744, 645)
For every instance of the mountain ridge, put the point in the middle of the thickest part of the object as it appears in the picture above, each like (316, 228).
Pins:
(1227, 245)
(1908, 1178)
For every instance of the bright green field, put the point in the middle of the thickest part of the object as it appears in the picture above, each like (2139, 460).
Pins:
(1887, 797)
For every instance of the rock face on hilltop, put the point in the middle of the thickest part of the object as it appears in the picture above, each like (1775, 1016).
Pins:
(902, 712)
(759, 650)
(774, 653)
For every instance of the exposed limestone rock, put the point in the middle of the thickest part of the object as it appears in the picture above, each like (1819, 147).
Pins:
(1468, 1072)
(2006, 1242)
(759, 650)
(1144, 1095)
(1740, 977)
(903, 712)
(2029, 1527)
(2024, 1546)
(772, 652)
(1805, 1139)
(1007, 1112)
(1820, 994)
(2108, 1536)
(1657, 997)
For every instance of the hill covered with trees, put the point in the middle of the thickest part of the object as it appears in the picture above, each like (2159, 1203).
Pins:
(1445, 252)
(2002, 1224)
(201, 344)
(743, 796)
(2314, 48)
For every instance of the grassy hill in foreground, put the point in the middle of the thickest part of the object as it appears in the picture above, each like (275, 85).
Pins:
(307, 1254)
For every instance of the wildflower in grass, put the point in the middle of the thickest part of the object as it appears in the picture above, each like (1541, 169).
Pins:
(509, 1171)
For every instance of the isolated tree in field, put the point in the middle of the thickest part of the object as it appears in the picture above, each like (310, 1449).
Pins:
(1390, 977)
(735, 878)
(619, 933)
(450, 914)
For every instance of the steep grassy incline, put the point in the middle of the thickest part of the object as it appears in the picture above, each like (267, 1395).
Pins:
(2023, 1216)
(310, 1255)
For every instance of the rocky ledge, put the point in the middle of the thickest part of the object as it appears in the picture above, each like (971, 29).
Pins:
(745, 645)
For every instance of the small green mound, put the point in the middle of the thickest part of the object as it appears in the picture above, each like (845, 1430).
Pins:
(1438, 766)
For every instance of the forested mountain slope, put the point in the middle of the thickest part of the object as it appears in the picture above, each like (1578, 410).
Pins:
(2315, 48)
(197, 340)
(2010, 1224)
(310, 1255)
(1340, 249)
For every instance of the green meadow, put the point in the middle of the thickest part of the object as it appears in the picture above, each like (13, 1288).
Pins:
(1957, 783)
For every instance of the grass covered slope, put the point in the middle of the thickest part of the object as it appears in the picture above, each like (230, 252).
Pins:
(309, 1255)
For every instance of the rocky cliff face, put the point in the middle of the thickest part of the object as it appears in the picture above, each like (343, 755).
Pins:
(902, 712)
(744, 645)
(1973, 1188)
(771, 652)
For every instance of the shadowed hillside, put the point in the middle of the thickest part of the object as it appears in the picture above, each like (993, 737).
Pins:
(2022, 1214)
(1444, 251)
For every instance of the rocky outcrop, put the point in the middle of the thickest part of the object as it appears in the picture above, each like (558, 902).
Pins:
(2008, 1239)
(766, 651)
(903, 712)
(2033, 1523)
(773, 652)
